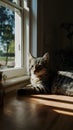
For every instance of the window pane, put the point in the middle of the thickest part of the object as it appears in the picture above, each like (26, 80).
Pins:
(8, 37)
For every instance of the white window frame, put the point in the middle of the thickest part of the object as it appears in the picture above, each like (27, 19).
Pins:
(15, 72)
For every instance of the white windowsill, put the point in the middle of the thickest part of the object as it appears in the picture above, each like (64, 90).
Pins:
(15, 83)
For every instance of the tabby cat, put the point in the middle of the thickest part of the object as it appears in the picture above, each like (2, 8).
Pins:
(41, 77)
(45, 81)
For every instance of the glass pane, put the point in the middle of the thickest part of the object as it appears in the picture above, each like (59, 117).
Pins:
(8, 38)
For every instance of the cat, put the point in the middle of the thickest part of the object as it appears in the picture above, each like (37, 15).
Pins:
(44, 80)
(41, 77)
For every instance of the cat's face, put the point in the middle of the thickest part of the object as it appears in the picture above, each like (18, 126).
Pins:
(38, 65)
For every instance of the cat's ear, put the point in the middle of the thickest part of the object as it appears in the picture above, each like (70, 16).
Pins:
(30, 57)
(46, 56)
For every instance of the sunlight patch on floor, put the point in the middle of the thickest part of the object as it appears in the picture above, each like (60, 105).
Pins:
(60, 104)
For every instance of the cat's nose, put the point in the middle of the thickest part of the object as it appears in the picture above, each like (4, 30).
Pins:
(36, 67)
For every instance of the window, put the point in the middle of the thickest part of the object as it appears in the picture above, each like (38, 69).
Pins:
(14, 37)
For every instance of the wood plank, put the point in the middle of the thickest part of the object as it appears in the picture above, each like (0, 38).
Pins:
(28, 113)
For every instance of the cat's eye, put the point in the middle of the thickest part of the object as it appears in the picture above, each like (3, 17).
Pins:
(38, 62)
(32, 66)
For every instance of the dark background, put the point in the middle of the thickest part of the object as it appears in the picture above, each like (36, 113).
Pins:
(55, 32)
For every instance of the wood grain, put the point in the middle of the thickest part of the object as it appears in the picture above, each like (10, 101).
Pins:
(37, 112)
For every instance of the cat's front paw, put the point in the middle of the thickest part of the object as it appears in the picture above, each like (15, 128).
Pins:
(21, 92)
(27, 90)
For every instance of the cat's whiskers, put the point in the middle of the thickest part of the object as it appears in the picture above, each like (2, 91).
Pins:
(35, 77)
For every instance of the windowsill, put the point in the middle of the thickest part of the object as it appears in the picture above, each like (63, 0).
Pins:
(15, 83)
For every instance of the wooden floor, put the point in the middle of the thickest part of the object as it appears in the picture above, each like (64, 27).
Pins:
(38, 112)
